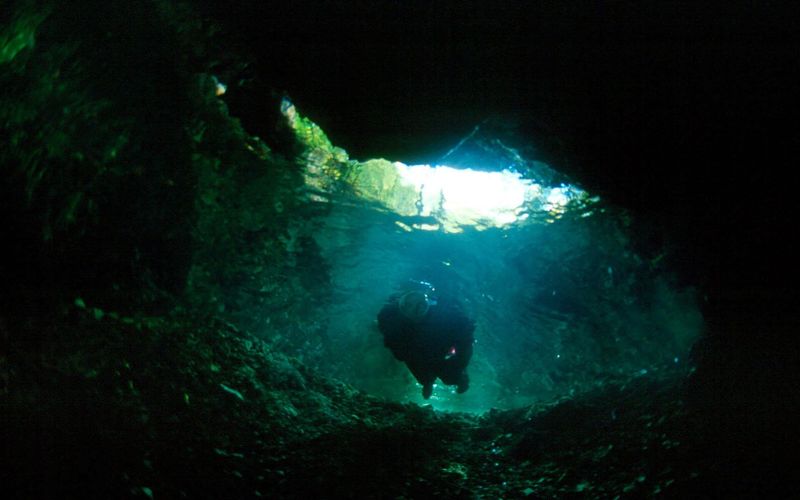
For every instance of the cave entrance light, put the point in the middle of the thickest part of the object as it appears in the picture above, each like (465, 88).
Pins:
(466, 197)
(440, 197)
(447, 198)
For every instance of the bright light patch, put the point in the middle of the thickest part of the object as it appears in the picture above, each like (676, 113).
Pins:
(453, 198)
(219, 87)
(557, 198)
(464, 197)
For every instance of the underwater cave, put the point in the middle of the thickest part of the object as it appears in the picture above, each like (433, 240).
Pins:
(207, 205)
(561, 300)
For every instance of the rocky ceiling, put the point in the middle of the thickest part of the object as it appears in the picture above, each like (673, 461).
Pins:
(672, 110)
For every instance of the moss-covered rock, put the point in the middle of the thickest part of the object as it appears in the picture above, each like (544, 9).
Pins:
(379, 181)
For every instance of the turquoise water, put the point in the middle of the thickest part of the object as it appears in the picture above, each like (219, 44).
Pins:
(559, 307)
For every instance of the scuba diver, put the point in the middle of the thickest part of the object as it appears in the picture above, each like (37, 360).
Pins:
(433, 338)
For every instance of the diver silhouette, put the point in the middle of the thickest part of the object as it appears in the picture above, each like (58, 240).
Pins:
(433, 338)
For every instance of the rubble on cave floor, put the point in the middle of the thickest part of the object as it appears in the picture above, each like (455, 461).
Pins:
(103, 404)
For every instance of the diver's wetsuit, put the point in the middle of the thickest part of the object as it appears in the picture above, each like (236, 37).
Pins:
(437, 345)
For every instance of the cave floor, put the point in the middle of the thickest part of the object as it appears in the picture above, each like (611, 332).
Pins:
(188, 406)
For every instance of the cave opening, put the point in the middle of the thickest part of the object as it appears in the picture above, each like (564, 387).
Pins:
(562, 300)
